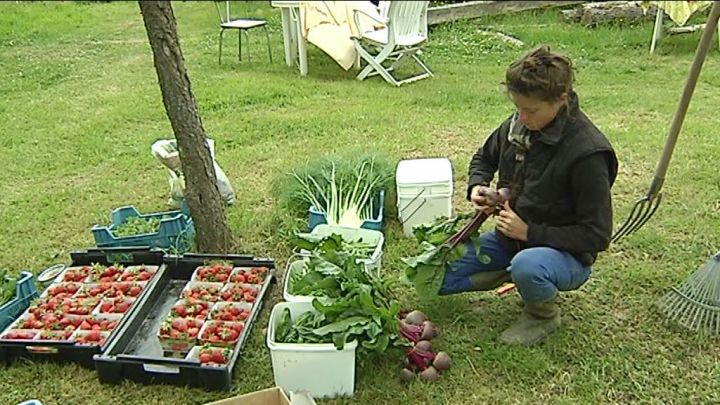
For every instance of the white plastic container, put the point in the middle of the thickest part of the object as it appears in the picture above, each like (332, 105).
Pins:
(424, 191)
(317, 368)
(295, 264)
(372, 263)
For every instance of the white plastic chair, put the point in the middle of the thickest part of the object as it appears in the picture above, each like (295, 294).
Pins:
(243, 25)
(405, 32)
(382, 8)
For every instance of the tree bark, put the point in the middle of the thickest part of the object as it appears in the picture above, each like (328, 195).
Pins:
(596, 13)
(212, 233)
(474, 9)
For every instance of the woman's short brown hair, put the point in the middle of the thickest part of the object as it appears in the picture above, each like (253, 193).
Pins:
(540, 74)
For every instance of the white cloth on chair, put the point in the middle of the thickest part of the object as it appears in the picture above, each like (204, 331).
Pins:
(329, 25)
(679, 11)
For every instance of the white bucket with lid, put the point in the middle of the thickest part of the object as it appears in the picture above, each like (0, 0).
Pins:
(424, 191)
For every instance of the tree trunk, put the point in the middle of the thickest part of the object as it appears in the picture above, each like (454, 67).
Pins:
(207, 209)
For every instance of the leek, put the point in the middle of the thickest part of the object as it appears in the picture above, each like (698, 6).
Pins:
(346, 200)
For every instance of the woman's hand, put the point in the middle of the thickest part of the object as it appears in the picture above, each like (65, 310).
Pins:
(480, 201)
(510, 224)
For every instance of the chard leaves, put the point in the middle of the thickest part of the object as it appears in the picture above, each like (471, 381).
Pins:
(427, 270)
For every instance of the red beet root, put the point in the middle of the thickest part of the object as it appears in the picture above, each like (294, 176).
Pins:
(442, 361)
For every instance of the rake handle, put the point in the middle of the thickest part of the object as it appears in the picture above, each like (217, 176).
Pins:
(679, 118)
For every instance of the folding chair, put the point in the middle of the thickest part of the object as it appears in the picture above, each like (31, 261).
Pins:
(243, 25)
(404, 33)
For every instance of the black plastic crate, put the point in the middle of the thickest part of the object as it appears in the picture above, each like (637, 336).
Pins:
(137, 356)
(68, 352)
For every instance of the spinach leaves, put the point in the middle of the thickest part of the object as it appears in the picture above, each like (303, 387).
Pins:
(352, 304)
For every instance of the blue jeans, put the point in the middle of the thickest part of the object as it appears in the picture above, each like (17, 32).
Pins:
(537, 272)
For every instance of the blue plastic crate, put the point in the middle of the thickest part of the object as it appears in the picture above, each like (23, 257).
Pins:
(176, 231)
(25, 291)
(316, 217)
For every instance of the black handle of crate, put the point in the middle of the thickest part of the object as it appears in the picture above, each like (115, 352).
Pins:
(42, 349)
(219, 256)
(157, 366)
(121, 249)
(164, 361)
(127, 254)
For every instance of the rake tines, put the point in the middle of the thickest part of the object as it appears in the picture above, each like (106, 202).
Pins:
(696, 303)
(641, 212)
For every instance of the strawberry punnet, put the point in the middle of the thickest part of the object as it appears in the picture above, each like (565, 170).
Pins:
(214, 356)
(217, 272)
(218, 333)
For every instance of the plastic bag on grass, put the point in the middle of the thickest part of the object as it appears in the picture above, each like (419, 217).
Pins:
(165, 150)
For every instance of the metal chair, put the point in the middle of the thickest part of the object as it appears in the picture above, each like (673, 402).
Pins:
(243, 25)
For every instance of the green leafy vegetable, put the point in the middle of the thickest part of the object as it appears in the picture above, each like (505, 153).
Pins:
(137, 226)
(300, 331)
(333, 242)
(342, 187)
(355, 304)
(427, 270)
(7, 287)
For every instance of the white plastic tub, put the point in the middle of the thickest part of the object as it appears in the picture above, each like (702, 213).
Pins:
(294, 265)
(318, 368)
(374, 261)
(424, 191)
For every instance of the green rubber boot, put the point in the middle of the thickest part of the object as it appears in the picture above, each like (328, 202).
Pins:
(539, 319)
(488, 280)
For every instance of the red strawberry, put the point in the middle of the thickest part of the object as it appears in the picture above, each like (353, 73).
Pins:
(122, 307)
(180, 310)
(180, 324)
(107, 306)
(94, 336)
(218, 357)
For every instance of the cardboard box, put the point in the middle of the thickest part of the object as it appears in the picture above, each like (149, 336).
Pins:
(270, 396)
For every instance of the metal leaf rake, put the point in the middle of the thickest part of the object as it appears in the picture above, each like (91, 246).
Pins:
(695, 304)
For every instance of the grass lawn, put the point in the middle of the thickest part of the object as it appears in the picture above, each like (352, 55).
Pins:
(80, 106)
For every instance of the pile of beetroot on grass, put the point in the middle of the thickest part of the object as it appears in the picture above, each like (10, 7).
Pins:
(421, 360)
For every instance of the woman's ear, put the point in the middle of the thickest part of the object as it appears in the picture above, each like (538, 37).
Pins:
(564, 98)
